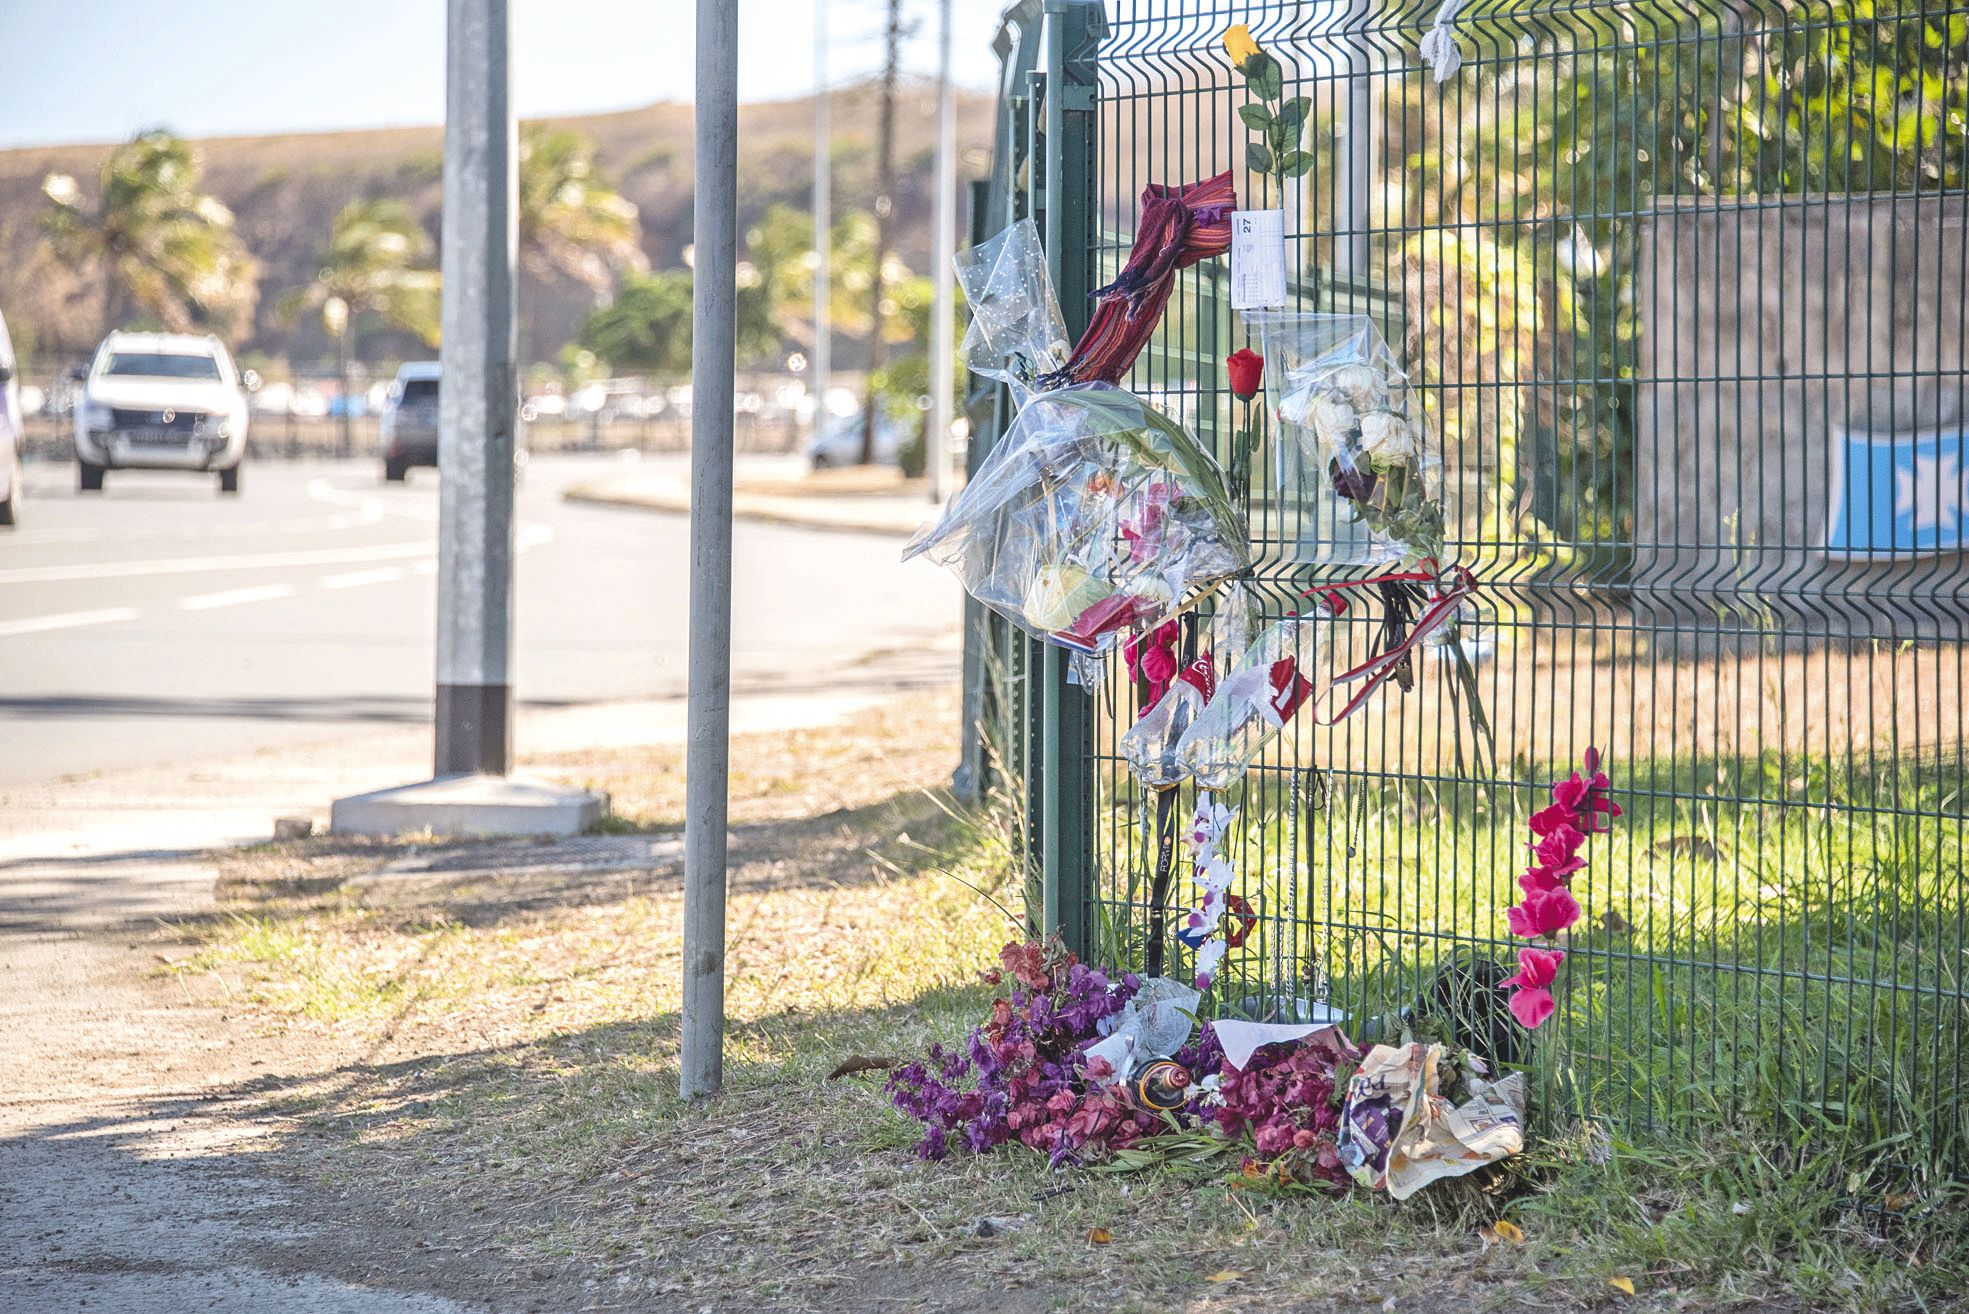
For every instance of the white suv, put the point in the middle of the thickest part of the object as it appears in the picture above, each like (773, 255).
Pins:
(161, 401)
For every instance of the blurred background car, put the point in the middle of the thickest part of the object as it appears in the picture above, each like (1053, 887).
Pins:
(409, 422)
(161, 401)
(838, 442)
(10, 431)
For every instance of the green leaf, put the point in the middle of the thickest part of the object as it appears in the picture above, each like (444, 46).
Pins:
(1257, 158)
(1295, 164)
(1255, 116)
(1294, 111)
(1283, 135)
(1256, 70)
(1269, 82)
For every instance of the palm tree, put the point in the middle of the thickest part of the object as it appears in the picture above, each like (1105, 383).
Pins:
(160, 246)
(572, 223)
(375, 263)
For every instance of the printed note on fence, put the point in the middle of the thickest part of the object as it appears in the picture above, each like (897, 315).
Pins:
(1257, 259)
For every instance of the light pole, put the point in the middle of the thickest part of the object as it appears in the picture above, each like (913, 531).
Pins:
(714, 233)
(471, 792)
(943, 249)
(478, 397)
(823, 207)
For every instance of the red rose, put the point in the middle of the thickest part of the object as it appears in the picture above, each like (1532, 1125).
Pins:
(1247, 370)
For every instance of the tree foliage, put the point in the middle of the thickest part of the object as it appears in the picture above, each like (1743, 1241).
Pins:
(572, 222)
(1528, 184)
(376, 262)
(646, 326)
(161, 248)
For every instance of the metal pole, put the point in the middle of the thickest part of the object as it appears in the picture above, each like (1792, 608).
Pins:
(713, 360)
(943, 249)
(1355, 181)
(479, 396)
(823, 207)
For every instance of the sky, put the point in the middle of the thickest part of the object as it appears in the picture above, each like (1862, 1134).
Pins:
(100, 70)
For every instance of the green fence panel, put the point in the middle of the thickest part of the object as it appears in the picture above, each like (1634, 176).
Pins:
(1682, 290)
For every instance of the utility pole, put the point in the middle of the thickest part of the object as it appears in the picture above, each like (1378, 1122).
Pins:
(479, 395)
(885, 208)
(714, 230)
(823, 207)
(943, 250)
(472, 791)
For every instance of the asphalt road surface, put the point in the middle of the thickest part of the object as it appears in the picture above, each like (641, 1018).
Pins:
(158, 622)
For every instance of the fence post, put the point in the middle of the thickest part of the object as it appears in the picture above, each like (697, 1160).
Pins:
(1074, 30)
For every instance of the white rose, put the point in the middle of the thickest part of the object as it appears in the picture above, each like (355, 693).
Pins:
(1363, 386)
(1333, 419)
(1387, 439)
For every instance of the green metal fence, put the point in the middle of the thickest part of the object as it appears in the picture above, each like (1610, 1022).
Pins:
(1682, 288)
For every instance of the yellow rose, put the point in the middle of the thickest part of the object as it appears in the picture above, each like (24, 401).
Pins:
(1239, 45)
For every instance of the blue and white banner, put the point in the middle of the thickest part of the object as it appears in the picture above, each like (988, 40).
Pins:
(1897, 495)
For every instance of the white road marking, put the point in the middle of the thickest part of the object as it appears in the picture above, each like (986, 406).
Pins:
(235, 597)
(356, 579)
(68, 620)
(527, 533)
(196, 565)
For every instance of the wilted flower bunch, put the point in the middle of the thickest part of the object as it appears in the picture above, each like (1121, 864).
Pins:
(1288, 1099)
(1024, 1075)
(1018, 1076)
(1367, 422)
(1581, 806)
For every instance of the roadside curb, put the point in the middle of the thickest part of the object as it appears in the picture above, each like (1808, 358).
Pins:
(900, 520)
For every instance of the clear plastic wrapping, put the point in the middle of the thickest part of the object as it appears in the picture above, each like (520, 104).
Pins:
(1253, 703)
(1149, 746)
(1093, 515)
(1016, 332)
(1351, 438)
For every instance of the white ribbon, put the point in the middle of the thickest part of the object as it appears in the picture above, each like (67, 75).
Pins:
(1439, 42)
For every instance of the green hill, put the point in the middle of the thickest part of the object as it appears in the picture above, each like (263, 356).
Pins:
(283, 191)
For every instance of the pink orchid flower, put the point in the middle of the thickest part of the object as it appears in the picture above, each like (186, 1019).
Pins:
(1531, 1000)
(1532, 1006)
(1543, 915)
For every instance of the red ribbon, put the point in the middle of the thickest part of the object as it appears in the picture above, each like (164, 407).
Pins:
(1179, 226)
(1449, 589)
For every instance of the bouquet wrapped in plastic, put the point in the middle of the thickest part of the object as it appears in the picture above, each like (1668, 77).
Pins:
(1352, 433)
(1176, 696)
(1016, 333)
(1253, 703)
(1094, 514)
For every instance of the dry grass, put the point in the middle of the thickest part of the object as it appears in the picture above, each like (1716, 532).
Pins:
(504, 1075)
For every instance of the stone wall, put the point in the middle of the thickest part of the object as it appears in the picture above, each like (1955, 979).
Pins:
(1767, 327)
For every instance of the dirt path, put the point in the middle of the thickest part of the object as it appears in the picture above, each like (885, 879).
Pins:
(126, 1184)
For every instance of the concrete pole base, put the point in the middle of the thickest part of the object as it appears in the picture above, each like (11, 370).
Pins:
(470, 805)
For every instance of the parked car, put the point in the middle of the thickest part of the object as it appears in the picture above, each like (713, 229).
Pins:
(838, 442)
(10, 431)
(409, 422)
(161, 401)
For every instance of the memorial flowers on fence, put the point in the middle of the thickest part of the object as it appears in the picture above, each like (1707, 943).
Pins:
(1276, 122)
(1582, 805)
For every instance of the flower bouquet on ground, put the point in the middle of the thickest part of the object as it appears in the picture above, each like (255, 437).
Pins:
(1024, 1074)
(1087, 1068)
(1094, 515)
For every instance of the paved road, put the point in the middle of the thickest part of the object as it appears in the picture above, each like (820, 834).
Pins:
(159, 623)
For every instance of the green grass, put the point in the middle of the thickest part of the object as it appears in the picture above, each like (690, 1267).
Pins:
(1773, 945)
(527, 1108)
